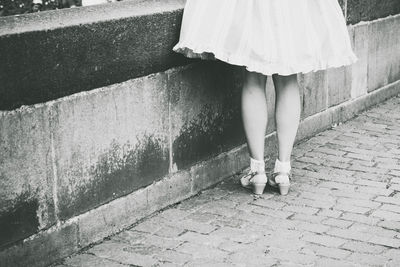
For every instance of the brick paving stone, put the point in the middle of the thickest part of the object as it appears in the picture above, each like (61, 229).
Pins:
(200, 239)
(374, 190)
(367, 259)
(337, 222)
(386, 215)
(389, 242)
(343, 210)
(165, 243)
(327, 262)
(311, 227)
(273, 213)
(88, 260)
(300, 209)
(335, 253)
(172, 256)
(292, 256)
(170, 231)
(249, 258)
(389, 200)
(351, 208)
(363, 247)
(359, 203)
(195, 226)
(129, 237)
(119, 253)
(360, 218)
(329, 213)
(390, 225)
(201, 251)
(370, 229)
(350, 234)
(324, 240)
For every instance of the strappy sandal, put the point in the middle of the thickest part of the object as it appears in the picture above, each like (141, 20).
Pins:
(255, 181)
(281, 180)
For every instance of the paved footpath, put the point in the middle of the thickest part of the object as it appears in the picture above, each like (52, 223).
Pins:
(343, 210)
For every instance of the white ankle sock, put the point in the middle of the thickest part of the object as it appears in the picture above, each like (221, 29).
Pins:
(257, 165)
(282, 166)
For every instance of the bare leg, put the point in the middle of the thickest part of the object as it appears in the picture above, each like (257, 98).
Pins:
(287, 113)
(254, 113)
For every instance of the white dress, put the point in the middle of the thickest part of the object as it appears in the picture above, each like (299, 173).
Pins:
(267, 36)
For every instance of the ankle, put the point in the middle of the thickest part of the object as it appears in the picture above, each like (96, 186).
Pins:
(282, 166)
(257, 165)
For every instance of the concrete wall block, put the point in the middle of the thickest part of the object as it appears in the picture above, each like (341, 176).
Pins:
(367, 10)
(339, 85)
(208, 173)
(270, 93)
(26, 174)
(359, 81)
(169, 190)
(384, 56)
(205, 111)
(75, 50)
(43, 249)
(111, 218)
(314, 86)
(110, 142)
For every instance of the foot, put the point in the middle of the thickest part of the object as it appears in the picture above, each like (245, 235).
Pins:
(255, 181)
(281, 180)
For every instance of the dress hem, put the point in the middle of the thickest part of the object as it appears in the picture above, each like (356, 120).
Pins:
(266, 68)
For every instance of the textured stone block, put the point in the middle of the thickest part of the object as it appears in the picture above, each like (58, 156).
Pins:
(315, 92)
(359, 81)
(383, 52)
(55, 54)
(205, 111)
(271, 97)
(26, 174)
(367, 10)
(339, 85)
(110, 142)
(112, 217)
(43, 249)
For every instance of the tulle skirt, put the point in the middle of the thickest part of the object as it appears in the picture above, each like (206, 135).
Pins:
(267, 36)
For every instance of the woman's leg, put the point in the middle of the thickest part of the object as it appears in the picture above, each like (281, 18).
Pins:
(287, 113)
(254, 113)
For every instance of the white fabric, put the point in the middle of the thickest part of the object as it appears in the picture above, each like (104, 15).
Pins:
(267, 36)
(282, 166)
(257, 165)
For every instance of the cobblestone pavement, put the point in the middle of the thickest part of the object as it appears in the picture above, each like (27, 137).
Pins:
(343, 210)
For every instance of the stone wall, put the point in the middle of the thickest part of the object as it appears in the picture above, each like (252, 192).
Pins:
(102, 124)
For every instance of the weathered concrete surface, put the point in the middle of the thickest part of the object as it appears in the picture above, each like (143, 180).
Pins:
(343, 210)
(359, 72)
(64, 52)
(42, 249)
(26, 177)
(367, 10)
(109, 143)
(54, 54)
(315, 87)
(106, 158)
(205, 111)
(339, 85)
(383, 52)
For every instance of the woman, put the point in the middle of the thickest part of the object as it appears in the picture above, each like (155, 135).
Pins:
(268, 37)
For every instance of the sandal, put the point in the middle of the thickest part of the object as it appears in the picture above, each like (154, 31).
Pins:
(255, 181)
(281, 180)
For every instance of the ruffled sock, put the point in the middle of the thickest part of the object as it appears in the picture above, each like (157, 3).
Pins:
(257, 165)
(282, 166)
